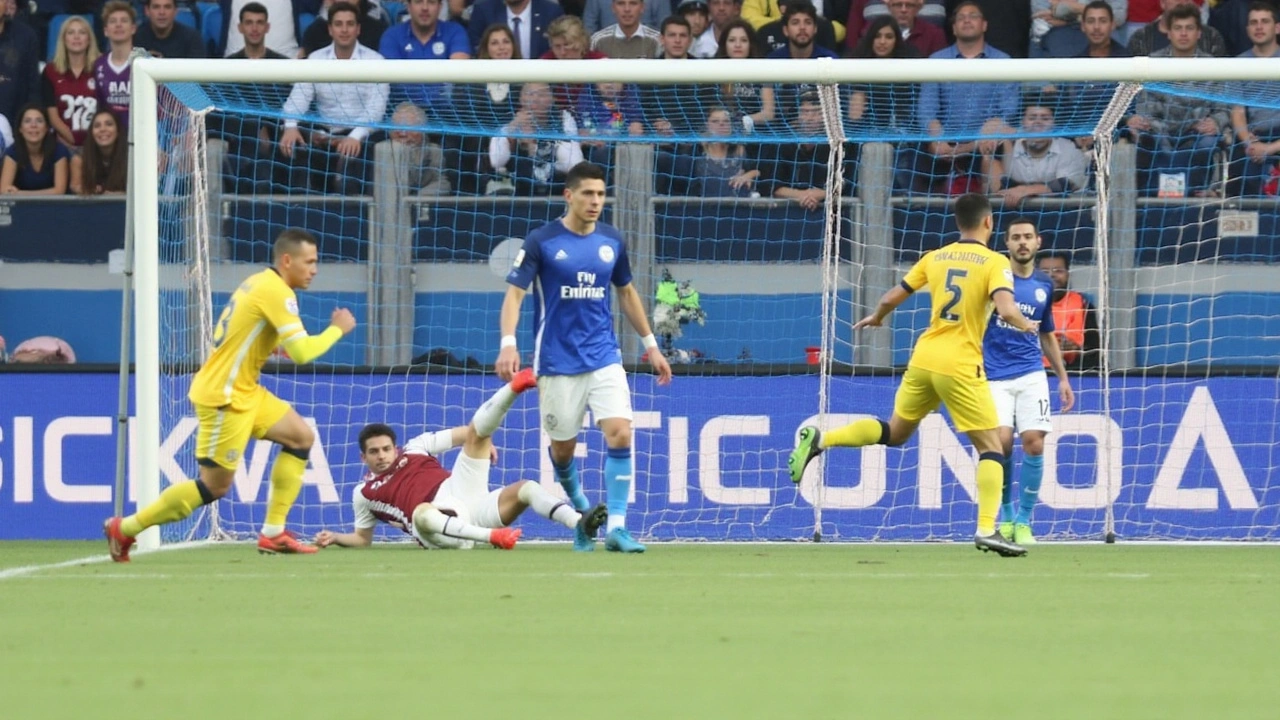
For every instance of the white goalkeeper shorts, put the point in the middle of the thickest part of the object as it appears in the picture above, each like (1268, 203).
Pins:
(563, 400)
(467, 495)
(1022, 403)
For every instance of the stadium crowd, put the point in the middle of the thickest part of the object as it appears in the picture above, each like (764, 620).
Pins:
(63, 122)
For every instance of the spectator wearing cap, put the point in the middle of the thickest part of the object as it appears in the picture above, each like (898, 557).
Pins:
(774, 33)
(698, 15)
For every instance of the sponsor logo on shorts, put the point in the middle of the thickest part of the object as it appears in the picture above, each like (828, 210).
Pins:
(549, 422)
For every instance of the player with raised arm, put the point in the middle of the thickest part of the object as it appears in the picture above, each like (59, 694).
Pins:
(231, 406)
(410, 490)
(964, 279)
(570, 264)
(1015, 369)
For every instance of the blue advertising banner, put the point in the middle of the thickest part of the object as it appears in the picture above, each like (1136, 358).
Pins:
(1177, 458)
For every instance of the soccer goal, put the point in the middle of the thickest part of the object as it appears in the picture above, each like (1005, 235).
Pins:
(767, 205)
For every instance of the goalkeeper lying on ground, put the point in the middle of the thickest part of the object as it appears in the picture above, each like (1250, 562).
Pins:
(410, 490)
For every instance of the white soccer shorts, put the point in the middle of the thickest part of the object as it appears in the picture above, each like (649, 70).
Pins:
(1022, 403)
(563, 400)
(467, 495)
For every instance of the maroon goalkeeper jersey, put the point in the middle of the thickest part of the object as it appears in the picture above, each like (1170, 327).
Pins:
(392, 495)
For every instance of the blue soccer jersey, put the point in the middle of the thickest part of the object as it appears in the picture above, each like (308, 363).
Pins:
(1008, 353)
(570, 275)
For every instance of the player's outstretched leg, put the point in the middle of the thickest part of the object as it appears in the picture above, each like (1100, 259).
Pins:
(584, 533)
(490, 414)
(175, 503)
(990, 474)
(430, 521)
(808, 448)
(859, 433)
(567, 476)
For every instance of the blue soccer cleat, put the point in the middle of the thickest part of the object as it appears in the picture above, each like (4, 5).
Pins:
(619, 540)
(584, 535)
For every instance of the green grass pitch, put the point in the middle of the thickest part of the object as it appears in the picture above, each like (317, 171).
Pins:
(684, 631)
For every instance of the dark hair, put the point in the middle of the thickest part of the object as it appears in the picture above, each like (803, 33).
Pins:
(47, 143)
(1259, 6)
(1021, 220)
(1099, 5)
(344, 6)
(1056, 255)
(810, 96)
(1183, 12)
(110, 169)
(723, 51)
(115, 6)
(799, 7)
(288, 242)
(675, 20)
(964, 4)
(1046, 100)
(373, 430)
(970, 209)
(863, 49)
(149, 2)
(482, 51)
(256, 8)
(583, 171)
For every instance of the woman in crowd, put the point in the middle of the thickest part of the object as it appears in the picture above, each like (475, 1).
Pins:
(69, 95)
(102, 167)
(750, 104)
(487, 105)
(36, 164)
(882, 106)
(719, 168)
(569, 41)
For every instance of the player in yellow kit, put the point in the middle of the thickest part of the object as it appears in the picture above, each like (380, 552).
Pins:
(964, 279)
(232, 407)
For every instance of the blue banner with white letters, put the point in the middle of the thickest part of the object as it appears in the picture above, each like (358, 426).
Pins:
(1177, 458)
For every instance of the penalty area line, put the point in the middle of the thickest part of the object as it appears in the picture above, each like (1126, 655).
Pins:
(25, 570)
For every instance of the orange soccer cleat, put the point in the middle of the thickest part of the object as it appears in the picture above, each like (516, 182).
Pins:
(117, 542)
(504, 538)
(524, 380)
(286, 543)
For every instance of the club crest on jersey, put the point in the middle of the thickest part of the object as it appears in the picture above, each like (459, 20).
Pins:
(606, 253)
(437, 47)
(1008, 274)
(291, 305)
(1041, 295)
(233, 455)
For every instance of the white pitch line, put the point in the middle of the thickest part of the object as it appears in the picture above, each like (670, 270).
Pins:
(25, 570)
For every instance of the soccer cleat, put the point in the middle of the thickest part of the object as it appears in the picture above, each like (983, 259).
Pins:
(806, 450)
(286, 543)
(996, 543)
(504, 538)
(1006, 529)
(619, 540)
(117, 542)
(584, 535)
(524, 380)
(1022, 534)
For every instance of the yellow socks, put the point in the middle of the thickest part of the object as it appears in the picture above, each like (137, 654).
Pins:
(990, 480)
(286, 483)
(860, 433)
(176, 502)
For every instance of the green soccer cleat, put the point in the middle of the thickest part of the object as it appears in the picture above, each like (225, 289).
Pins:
(806, 450)
(1006, 529)
(1022, 534)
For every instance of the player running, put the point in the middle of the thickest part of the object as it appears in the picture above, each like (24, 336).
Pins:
(231, 406)
(963, 279)
(1018, 382)
(570, 263)
(451, 509)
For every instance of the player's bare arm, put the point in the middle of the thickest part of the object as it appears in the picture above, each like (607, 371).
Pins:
(362, 537)
(1008, 311)
(1049, 345)
(895, 296)
(509, 319)
(633, 308)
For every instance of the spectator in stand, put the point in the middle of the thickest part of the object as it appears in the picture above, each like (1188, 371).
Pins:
(920, 22)
(1178, 134)
(1155, 35)
(1142, 12)
(697, 14)
(371, 28)
(36, 163)
(1008, 23)
(752, 105)
(253, 29)
(534, 166)
(879, 106)
(424, 37)
(333, 155)
(6, 135)
(19, 64)
(419, 163)
(1036, 165)
(102, 167)
(628, 38)
(773, 34)
(800, 28)
(607, 110)
(1231, 19)
(530, 21)
(599, 14)
(491, 105)
(1098, 22)
(959, 109)
(112, 73)
(1075, 321)
(831, 16)
(1257, 128)
(250, 140)
(281, 35)
(798, 170)
(675, 109)
(723, 12)
(569, 41)
(68, 93)
(1057, 26)
(163, 36)
(718, 168)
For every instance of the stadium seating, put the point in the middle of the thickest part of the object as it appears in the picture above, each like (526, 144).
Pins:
(211, 27)
(187, 17)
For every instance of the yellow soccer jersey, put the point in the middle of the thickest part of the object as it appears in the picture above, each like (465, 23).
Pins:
(962, 278)
(261, 314)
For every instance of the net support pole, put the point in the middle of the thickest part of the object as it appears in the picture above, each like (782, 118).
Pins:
(126, 330)
(633, 216)
(391, 284)
(876, 268)
(144, 174)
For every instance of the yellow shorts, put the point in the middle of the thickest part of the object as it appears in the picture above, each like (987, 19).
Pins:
(224, 432)
(967, 399)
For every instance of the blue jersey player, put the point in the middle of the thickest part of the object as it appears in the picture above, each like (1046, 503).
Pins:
(570, 264)
(1015, 371)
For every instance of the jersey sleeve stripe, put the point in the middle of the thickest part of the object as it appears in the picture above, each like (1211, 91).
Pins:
(907, 287)
(1008, 290)
(293, 336)
(288, 328)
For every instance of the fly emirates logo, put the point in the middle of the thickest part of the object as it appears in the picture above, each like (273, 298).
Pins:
(585, 289)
